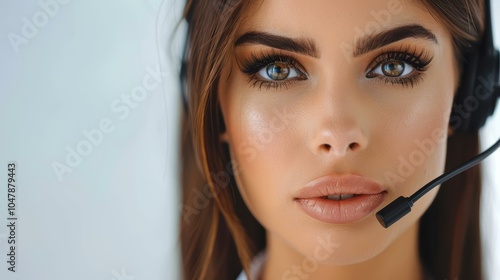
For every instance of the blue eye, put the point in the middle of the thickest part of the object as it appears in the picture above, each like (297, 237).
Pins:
(278, 71)
(272, 70)
(393, 68)
(400, 67)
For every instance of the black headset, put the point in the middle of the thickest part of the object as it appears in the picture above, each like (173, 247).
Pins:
(474, 102)
(479, 87)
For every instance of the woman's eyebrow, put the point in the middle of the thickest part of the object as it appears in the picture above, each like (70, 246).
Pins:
(375, 41)
(364, 45)
(303, 46)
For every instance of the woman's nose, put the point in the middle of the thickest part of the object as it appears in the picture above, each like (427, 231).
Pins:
(338, 141)
(338, 125)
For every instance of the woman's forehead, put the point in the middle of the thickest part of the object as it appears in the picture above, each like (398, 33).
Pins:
(335, 21)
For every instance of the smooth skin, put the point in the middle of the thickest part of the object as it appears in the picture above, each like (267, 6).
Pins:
(336, 121)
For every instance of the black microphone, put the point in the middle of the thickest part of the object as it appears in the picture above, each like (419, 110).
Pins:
(402, 205)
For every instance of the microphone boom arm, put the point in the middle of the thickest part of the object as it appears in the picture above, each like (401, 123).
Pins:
(402, 205)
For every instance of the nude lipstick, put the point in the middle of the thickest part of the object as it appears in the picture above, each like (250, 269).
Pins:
(340, 199)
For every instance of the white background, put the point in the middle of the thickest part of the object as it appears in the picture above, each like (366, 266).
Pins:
(115, 215)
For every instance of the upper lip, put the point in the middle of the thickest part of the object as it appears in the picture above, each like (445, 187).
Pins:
(336, 185)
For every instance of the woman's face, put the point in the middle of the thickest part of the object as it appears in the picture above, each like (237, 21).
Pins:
(347, 99)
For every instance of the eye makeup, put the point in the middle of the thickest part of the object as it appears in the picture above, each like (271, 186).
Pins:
(257, 62)
(418, 60)
(257, 67)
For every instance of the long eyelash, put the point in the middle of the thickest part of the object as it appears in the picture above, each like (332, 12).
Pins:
(255, 63)
(405, 81)
(418, 60)
(269, 84)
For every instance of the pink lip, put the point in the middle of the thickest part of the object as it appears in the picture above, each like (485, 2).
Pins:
(312, 198)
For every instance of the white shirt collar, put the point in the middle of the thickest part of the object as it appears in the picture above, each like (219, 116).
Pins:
(255, 268)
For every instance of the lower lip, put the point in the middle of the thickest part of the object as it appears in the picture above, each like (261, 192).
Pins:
(340, 211)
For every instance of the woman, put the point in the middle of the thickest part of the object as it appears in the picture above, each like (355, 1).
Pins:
(306, 118)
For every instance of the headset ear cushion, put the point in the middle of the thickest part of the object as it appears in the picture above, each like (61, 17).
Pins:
(460, 119)
(479, 88)
(478, 92)
(496, 83)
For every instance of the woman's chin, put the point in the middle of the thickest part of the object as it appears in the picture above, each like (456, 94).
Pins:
(335, 252)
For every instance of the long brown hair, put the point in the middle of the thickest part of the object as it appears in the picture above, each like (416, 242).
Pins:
(218, 234)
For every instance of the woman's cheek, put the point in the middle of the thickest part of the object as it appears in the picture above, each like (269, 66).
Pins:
(422, 148)
(264, 142)
(261, 138)
(418, 155)
(264, 132)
